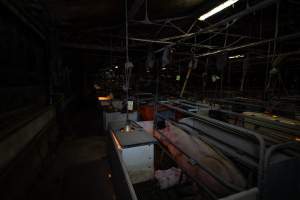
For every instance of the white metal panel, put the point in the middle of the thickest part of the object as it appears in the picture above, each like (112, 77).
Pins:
(124, 168)
(139, 162)
(117, 116)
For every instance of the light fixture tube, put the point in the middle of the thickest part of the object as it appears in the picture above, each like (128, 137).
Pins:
(217, 9)
(236, 56)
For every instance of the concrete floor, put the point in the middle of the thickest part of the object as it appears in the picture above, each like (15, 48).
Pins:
(80, 169)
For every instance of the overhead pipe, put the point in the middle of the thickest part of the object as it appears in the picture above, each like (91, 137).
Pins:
(219, 33)
(171, 43)
(282, 38)
(150, 41)
(185, 82)
(122, 49)
(243, 13)
(165, 42)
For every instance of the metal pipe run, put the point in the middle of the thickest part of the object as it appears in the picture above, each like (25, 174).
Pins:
(282, 38)
(241, 14)
(231, 128)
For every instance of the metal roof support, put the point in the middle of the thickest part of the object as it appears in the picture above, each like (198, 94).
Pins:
(241, 14)
(282, 38)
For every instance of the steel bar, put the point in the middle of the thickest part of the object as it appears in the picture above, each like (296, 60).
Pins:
(227, 148)
(268, 56)
(185, 82)
(176, 27)
(292, 144)
(150, 41)
(177, 37)
(212, 195)
(282, 38)
(172, 19)
(207, 170)
(228, 127)
(192, 26)
(122, 49)
(219, 33)
(241, 14)
(269, 153)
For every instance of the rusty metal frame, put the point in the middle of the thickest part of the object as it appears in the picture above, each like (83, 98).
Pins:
(216, 123)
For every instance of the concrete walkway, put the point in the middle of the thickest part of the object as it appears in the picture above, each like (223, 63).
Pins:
(80, 169)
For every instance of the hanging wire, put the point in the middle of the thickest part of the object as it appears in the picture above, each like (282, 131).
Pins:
(128, 65)
(267, 71)
(222, 75)
(276, 29)
(111, 50)
(126, 27)
(146, 12)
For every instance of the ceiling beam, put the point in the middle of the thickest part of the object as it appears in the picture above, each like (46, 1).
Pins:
(279, 39)
(247, 11)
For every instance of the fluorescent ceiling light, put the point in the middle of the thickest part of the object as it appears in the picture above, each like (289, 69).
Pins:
(237, 56)
(217, 9)
(116, 67)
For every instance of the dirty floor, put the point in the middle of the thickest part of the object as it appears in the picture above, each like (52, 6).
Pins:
(79, 170)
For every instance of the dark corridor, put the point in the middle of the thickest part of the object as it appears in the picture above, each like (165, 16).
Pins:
(80, 169)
